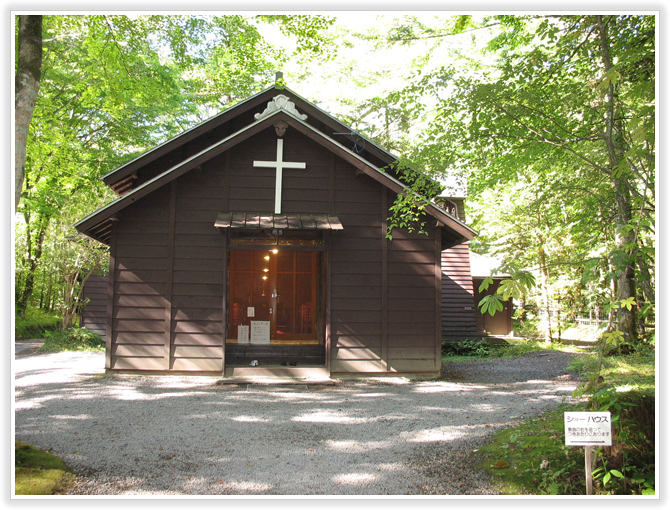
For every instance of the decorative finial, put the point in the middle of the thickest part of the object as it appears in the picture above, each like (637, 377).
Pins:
(280, 83)
(280, 102)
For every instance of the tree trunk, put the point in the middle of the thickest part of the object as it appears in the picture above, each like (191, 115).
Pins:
(626, 274)
(34, 260)
(27, 85)
(72, 299)
(545, 295)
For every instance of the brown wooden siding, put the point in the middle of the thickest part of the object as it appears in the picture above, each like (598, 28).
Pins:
(458, 312)
(94, 313)
(357, 276)
(168, 310)
(412, 305)
(501, 322)
(137, 329)
(197, 322)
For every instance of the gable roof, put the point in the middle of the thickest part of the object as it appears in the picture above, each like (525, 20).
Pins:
(316, 115)
(98, 224)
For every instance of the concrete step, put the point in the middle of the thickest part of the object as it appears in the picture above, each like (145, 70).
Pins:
(247, 374)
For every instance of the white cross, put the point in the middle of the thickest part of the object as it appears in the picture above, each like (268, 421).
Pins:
(279, 165)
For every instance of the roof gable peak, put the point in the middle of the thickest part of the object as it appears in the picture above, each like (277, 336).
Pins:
(280, 102)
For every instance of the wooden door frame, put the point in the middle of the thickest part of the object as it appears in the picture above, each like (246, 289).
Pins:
(323, 296)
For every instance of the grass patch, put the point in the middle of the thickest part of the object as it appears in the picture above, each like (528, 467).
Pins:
(476, 350)
(72, 339)
(35, 323)
(634, 372)
(532, 458)
(38, 473)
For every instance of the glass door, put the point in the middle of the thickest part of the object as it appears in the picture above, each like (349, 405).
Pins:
(273, 296)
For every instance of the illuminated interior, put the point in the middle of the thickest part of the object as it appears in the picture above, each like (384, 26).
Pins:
(273, 297)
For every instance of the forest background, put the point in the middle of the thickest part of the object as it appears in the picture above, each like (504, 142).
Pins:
(546, 123)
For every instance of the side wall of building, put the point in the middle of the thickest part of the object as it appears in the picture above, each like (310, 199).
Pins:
(94, 312)
(458, 303)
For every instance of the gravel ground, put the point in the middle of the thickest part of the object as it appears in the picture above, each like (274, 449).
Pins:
(153, 435)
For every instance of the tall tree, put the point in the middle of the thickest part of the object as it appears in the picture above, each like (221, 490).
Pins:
(26, 89)
(114, 86)
(561, 93)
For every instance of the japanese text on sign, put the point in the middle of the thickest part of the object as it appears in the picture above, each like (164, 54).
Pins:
(588, 429)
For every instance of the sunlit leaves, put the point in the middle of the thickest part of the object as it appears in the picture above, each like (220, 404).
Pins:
(114, 86)
(491, 304)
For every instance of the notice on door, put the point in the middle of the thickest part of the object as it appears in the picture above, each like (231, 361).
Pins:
(242, 334)
(260, 332)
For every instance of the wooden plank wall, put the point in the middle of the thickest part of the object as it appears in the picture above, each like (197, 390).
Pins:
(501, 322)
(94, 313)
(458, 312)
(252, 189)
(357, 278)
(197, 321)
(140, 250)
(383, 304)
(413, 312)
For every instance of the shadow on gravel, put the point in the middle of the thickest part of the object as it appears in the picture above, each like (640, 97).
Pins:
(188, 435)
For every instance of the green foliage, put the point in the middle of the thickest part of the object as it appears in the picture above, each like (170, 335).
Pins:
(624, 386)
(560, 177)
(526, 325)
(532, 458)
(112, 87)
(468, 349)
(491, 304)
(408, 209)
(474, 348)
(515, 287)
(72, 339)
(35, 323)
(37, 472)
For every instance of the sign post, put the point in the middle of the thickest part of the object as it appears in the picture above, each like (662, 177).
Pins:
(588, 430)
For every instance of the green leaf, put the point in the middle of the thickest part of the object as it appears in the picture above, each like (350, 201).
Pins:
(486, 283)
(628, 302)
(491, 304)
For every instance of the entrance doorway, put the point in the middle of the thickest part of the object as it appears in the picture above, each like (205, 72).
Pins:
(274, 303)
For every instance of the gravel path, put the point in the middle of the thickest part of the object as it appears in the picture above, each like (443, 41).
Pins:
(141, 435)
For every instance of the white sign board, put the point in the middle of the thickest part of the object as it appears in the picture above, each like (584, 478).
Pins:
(251, 311)
(260, 332)
(242, 334)
(588, 429)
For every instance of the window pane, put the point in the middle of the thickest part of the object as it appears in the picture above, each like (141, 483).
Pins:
(285, 299)
(240, 260)
(261, 260)
(304, 261)
(304, 302)
(285, 260)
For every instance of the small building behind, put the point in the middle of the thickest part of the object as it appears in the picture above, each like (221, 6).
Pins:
(499, 324)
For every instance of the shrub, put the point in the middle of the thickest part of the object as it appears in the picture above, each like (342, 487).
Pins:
(72, 339)
(35, 323)
(476, 348)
